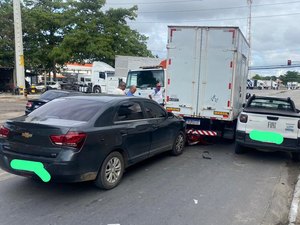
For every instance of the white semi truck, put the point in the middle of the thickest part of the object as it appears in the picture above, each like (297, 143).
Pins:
(102, 79)
(207, 78)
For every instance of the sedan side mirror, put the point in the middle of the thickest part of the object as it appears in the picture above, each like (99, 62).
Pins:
(244, 104)
(248, 95)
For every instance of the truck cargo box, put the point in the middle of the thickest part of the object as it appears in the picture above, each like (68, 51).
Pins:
(207, 72)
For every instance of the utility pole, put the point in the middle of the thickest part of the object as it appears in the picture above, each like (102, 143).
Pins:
(19, 55)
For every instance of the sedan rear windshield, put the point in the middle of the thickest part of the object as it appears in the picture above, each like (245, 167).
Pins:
(50, 95)
(273, 104)
(68, 109)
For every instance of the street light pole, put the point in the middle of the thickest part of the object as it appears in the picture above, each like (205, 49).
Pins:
(19, 55)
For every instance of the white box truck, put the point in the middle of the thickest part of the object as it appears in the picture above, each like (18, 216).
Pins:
(206, 78)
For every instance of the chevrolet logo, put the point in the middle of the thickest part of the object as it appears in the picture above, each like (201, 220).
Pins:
(26, 135)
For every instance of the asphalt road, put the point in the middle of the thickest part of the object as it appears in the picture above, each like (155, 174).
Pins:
(207, 185)
(226, 189)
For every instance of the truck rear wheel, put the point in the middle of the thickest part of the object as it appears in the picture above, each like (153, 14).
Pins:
(97, 89)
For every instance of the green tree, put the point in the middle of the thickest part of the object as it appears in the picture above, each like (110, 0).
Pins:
(6, 34)
(257, 77)
(44, 30)
(99, 35)
(59, 31)
(290, 76)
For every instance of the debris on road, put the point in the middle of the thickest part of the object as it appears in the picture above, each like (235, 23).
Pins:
(206, 155)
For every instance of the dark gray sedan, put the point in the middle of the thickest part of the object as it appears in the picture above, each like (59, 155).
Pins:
(84, 138)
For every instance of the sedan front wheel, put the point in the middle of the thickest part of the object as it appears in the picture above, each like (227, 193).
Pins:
(178, 145)
(111, 171)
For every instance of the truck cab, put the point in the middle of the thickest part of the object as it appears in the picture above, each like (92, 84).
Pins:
(145, 79)
(102, 80)
(101, 74)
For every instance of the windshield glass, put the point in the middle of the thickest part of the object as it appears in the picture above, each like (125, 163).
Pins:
(50, 95)
(67, 109)
(271, 104)
(145, 78)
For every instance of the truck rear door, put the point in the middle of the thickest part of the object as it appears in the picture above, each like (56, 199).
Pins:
(183, 69)
(216, 72)
(200, 71)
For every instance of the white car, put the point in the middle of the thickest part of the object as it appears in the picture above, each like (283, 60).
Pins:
(51, 84)
(269, 124)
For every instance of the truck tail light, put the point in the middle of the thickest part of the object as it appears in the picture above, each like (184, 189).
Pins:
(4, 132)
(243, 118)
(71, 139)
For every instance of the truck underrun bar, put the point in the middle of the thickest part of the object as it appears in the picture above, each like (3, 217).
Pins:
(201, 132)
(197, 136)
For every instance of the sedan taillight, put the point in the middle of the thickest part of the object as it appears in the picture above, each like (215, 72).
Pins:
(298, 124)
(71, 139)
(4, 132)
(243, 118)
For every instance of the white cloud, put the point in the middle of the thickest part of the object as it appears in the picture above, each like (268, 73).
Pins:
(275, 29)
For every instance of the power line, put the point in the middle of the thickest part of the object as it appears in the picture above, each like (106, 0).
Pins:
(151, 3)
(199, 20)
(207, 9)
(211, 9)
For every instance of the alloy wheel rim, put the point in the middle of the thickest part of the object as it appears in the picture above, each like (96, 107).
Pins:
(179, 143)
(113, 170)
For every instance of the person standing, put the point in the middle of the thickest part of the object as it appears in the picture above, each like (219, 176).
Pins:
(120, 90)
(157, 94)
(131, 91)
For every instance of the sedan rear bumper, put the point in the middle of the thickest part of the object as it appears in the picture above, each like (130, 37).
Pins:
(69, 171)
(288, 145)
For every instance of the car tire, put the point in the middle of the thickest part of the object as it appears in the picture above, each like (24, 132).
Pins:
(111, 171)
(178, 145)
(295, 156)
(97, 90)
(239, 149)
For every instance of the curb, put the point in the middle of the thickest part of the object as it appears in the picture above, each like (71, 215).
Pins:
(295, 204)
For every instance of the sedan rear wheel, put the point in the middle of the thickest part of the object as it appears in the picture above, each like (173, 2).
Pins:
(111, 171)
(178, 145)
